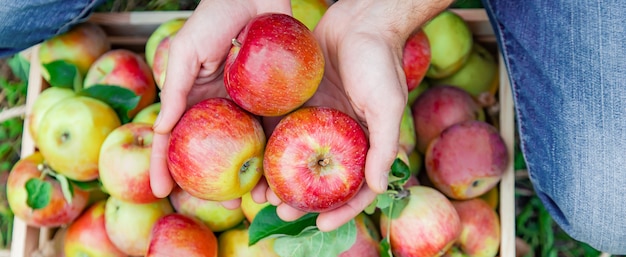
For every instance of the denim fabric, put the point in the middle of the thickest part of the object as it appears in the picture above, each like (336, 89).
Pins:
(25, 23)
(567, 62)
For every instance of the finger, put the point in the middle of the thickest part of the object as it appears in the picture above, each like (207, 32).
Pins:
(231, 204)
(288, 213)
(258, 192)
(272, 198)
(161, 182)
(328, 221)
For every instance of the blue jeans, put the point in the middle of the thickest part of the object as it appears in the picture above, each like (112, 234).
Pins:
(24, 23)
(567, 63)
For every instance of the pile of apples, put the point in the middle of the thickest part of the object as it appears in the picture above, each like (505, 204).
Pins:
(93, 132)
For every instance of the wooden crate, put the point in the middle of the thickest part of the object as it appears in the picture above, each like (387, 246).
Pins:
(131, 31)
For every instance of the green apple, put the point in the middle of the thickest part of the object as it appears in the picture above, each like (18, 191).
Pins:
(148, 114)
(413, 94)
(407, 138)
(129, 225)
(450, 41)
(479, 74)
(215, 216)
(162, 31)
(71, 133)
(234, 243)
(46, 99)
(250, 208)
(309, 12)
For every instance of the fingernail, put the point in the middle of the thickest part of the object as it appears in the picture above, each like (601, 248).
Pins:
(383, 181)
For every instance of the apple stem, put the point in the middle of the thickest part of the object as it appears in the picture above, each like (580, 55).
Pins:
(236, 42)
(323, 162)
(244, 167)
(139, 141)
(64, 137)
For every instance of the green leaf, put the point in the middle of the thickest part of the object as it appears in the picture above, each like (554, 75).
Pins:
(66, 187)
(64, 74)
(87, 185)
(39, 193)
(385, 248)
(20, 67)
(315, 243)
(121, 99)
(396, 207)
(371, 208)
(400, 173)
(267, 223)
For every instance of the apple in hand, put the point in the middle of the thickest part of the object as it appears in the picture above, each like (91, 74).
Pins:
(309, 12)
(439, 107)
(148, 114)
(450, 42)
(215, 216)
(86, 236)
(274, 65)
(176, 234)
(57, 212)
(129, 225)
(416, 58)
(427, 226)
(71, 134)
(480, 233)
(46, 99)
(466, 160)
(164, 30)
(216, 150)
(124, 163)
(367, 239)
(250, 208)
(315, 159)
(161, 57)
(121, 67)
(234, 243)
(80, 46)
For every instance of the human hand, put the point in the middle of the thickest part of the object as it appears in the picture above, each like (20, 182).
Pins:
(195, 69)
(363, 43)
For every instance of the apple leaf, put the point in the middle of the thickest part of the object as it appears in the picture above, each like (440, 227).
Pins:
(400, 173)
(39, 193)
(20, 67)
(87, 185)
(121, 99)
(267, 223)
(64, 74)
(385, 248)
(66, 187)
(313, 242)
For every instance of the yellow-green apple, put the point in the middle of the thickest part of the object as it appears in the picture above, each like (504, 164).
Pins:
(492, 197)
(438, 108)
(416, 58)
(148, 114)
(466, 160)
(124, 68)
(250, 208)
(450, 41)
(129, 225)
(46, 99)
(315, 159)
(234, 243)
(274, 65)
(216, 150)
(176, 234)
(215, 216)
(58, 211)
(124, 163)
(71, 134)
(413, 94)
(480, 233)
(479, 75)
(309, 12)
(164, 30)
(86, 236)
(407, 138)
(161, 56)
(416, 161)
(80, 46)
(427, 226)
(367, 242)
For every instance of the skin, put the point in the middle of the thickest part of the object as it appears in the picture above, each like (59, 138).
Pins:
(362, 41)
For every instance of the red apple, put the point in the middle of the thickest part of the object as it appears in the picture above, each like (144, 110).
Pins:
(416, 58)
(126, 69)
(161, 57)
(215, 216)
(124, 163)
(467, 159)
(57, 212)
(179, 235)
(480, 234)
(216, 150)
(164, 30)
(428, 225)
(274, 65)
(87, 236)
(314, 160)
(80, 46)
(439, 107)
(367, 239)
